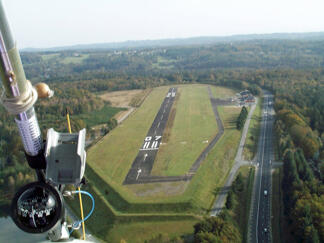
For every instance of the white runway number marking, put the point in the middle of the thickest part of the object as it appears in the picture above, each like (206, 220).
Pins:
(151, 143)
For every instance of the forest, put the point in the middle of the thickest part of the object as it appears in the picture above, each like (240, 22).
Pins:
(293, 70)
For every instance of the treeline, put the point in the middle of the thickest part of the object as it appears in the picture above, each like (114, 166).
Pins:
(300, 147)
(303, 199)
(13, 169)
(253, 54)
(241, 118)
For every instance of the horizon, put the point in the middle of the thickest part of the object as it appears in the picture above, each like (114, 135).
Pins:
(45, 24)
(175, 38)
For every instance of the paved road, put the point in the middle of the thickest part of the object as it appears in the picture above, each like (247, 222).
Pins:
(144, 160)
(260, 215)
(220, 201)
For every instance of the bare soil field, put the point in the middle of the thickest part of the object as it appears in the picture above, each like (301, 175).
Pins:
(121, 98)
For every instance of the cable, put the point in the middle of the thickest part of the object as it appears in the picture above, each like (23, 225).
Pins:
(80, 198)
(77, 224)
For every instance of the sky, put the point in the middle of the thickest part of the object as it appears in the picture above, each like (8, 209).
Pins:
(49, 23)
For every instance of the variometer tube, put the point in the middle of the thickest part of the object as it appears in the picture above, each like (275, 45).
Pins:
(16, 89)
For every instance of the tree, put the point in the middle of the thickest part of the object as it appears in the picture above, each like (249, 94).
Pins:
(229, 200)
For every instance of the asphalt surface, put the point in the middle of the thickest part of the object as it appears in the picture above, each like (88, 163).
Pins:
(260, 215)
(222, 194)
(143, 163)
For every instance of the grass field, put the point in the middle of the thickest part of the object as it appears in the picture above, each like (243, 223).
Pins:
(74, 59)
(148, 230)
(252, 136)
(100, 116)
(193, 127)
(47, 57)
(222, 92)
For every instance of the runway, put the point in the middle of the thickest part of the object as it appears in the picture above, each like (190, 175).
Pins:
(143, 163)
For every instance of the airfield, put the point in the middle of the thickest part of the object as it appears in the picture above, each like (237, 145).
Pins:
(167, 143)
(187, 166)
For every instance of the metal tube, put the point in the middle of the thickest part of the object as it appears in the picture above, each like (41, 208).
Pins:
(14, 82)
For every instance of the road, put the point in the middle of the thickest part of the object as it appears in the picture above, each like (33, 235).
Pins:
(220, 201)
(260, 214)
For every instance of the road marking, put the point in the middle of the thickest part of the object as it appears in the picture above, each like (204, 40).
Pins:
(138, 173)
(158, 125)
(161, 117)
(168, 95)
(145, 155)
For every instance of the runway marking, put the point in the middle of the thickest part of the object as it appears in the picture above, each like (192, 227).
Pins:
(161, 117)
(149, 149)
(158, 125)
(145, 155)
(154, 144)
(146, 145)
(168, 95)
(151, 145)
(173, 94)
(138, 173)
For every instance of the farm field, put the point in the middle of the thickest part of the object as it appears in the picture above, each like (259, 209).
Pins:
(121, 98)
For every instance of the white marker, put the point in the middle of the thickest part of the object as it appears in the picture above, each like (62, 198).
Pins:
(146, 145)
(159, 124)
(138, 173)
(154, 144)
(145, 155)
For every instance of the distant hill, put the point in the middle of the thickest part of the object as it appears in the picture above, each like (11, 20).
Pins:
(207, 40)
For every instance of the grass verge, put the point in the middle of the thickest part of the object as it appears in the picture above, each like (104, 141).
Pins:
(277, 209)
(252, 137)
(241, 210)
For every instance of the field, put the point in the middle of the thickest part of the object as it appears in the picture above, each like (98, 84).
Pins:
(121, 98)
(164, 205)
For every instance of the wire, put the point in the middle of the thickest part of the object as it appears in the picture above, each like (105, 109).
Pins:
(80, 198)
(77, 224)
